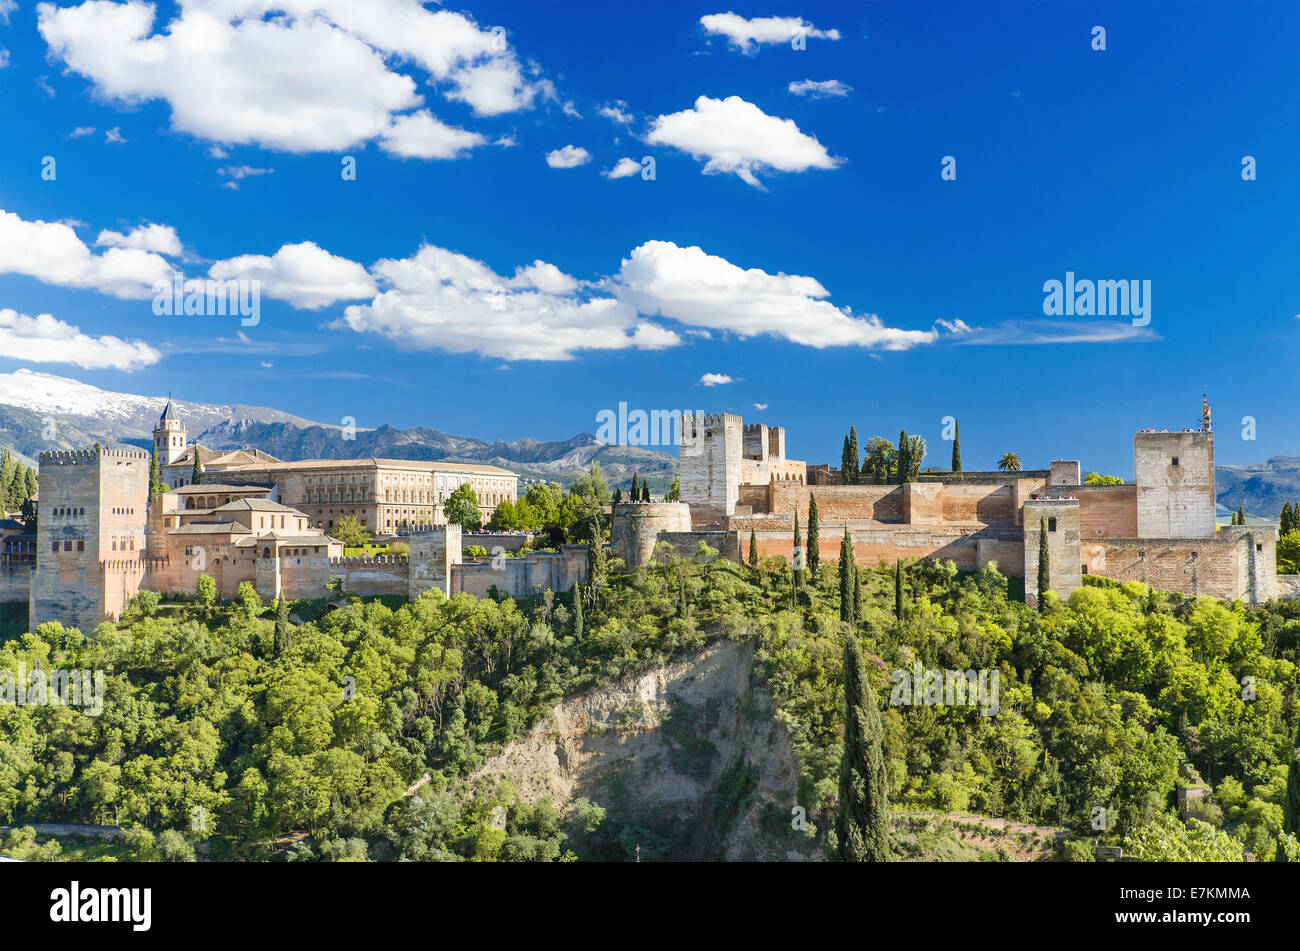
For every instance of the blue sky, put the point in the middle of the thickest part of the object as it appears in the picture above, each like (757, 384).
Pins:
(799, 241)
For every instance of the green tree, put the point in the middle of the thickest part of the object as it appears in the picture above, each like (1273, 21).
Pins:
(1096, 478)
(1285, 524)
(849, 472)
(1291, 804)
(753, 549)
(1009, 462)
(904, 460)
(250, 602)
(1241, 515)
(461, 507)
(880, 461)
(674, 491)
(1044, 564)
(1166, 839)
(577, 613)
(635, 494)
(898, 590)
(848, 580)
(196, 477)
(8, 470)
(862, 821)
(155, 473)
(956, 447)
(645, 491)
(351, 532)
(915, 456)
(798, 546)
(814, 539)
(283, 626)
(206, 589)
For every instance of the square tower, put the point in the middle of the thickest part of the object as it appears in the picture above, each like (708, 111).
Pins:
(709, 467)
(90, 532)
(1175, 484)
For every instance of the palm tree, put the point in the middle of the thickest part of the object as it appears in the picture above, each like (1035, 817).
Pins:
(1009, 462)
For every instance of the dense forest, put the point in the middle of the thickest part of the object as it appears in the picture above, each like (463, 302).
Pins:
(349, 734)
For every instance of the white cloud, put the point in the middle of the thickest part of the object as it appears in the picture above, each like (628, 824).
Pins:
(760, 406)
(7, 7)
(571, 156)
(626, 168)
(81, 130)
(703, 290)
(266, 364)
(422, 135)
(149, 237)
(738, 137)
(293, 75)
(114, 136)
(1022, 333)
(748, 35)
(305, 275)
(438, 299)
(617, 113)
(716, 379)
(4, 57)
(238, 172)
(44, 339)
(816, 89)
(52, 253)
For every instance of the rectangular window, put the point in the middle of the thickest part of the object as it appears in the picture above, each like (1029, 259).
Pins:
(1051, 524)
(1175, 462)
(54, 546)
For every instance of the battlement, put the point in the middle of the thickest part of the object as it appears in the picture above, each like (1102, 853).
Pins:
(360, 561)
(66, 457)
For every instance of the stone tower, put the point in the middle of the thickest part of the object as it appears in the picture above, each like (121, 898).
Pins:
(709, 465)
(169, 436)
(1175, 483)
(90, 536)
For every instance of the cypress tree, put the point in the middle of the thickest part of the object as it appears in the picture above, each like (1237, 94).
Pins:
(848, 574)
(1241, 515)
(635, 494)
(283, 627)
(904, 457)
(197, 476)
(798, 544)
(1291, 803)
(814, 539)
(683, 609)
(753, 549)
(856, 470)
(155, 474)
(1286, 525)
(956, 446)
(862, 822)
(645, 491)
(857, 594)
(577, 612)
(898, 589)
(1044, 564)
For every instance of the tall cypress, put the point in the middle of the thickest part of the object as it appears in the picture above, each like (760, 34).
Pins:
(645, 491)
(1286, 525)
(853, 456)
(862, 822)
(197, 476)
(798, 544)
(857, 594)
(904, 457)
(577, 612)
(283, 627)
(956, 446)
(1044, 564)
(898, 589)
(814, 539)
(155, 473)
(753, 549)
(1241, 515)
(635, 494)
(848, 575)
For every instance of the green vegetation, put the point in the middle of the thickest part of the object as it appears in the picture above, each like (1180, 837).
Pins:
(862, 821)
(461, 507)
(1010, 462)
(351, 533)
(1096, 478)
(17, 482)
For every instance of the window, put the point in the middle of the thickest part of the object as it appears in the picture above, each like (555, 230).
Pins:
(1051, 524)
(1175, 462)
(81, 544)
(54, 546)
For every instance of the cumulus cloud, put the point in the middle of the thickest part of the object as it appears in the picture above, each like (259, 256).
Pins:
(748, 34)
(817, 89)
(716, 379)
(114, 136)
(148, 237)
(423, 135)
(7, 7)
(738, 137)
(81, 130)
(1022, 333)
(760, 406)
(704, 290)
(44, 339)
(438, 299)
(305, 275)
(570, 156)
(52, 253)
(617, 113)
(292, 75)
(626, 168)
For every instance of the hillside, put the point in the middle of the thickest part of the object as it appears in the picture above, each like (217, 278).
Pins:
(1261, 489)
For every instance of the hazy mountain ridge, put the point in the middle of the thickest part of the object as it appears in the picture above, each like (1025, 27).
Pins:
(40, 412)
(1262, 489)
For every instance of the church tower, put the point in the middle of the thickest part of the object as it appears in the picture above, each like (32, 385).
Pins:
(169, 437)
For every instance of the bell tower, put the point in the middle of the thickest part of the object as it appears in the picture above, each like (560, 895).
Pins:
(169, 438)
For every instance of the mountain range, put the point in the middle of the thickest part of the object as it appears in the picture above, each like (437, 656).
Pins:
(40, 411)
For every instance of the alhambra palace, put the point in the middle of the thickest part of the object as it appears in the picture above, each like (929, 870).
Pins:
(252, 518)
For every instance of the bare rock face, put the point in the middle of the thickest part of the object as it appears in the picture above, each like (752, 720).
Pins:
(690, 751)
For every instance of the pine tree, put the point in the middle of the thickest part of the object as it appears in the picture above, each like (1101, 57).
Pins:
(862, 822)
(904, 457)
(197, 475)
(898, 590)
(1044, 564)
(577, 612)
(848, 575)
(635, 494)
(956, 447)
(814, 539)
(753, 549)
(618, 496)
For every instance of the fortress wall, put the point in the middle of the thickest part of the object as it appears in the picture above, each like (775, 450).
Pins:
(686, 544)
(884, 503)
(917, 503)
(1105, 511)
(757, 497)
(304, 577)
(979, 502)
(522, 577)
(636, 527)
(1288, 586)
(1214, 567)
(1063, 546)
(15, 582)
(970, 548)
